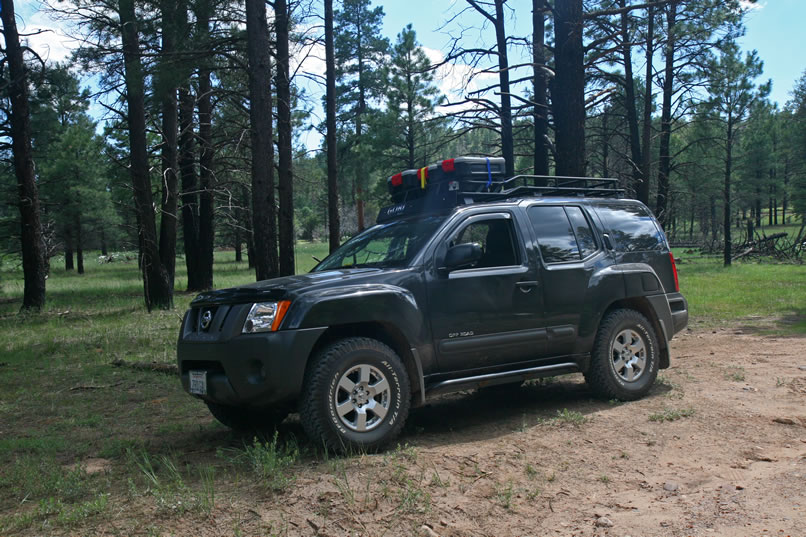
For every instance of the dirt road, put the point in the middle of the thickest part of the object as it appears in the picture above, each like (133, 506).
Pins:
(717, 449)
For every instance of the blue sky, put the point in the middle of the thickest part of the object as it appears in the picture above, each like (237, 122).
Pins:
(776, 30)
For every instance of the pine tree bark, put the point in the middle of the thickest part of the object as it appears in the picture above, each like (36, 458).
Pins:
(264, 216)
(167, 88)
(206, 157)
(68, 248)
(157, 289)
(664, 156)
(507, 140)
(334, 233)
(539, 87)
(728, 169)
(646, 133)
(79, 246)
(568, 89)
(34, 264)
(285, 185)
(629, 98)
(190, 198)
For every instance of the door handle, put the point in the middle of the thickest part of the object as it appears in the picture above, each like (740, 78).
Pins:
(527, 286)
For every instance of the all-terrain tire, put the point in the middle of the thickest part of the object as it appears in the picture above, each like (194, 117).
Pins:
(625, 357)
(246, 419)
(356, 396)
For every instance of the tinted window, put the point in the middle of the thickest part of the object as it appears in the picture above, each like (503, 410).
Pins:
(391, 245)
(632, 227)
(585, 240)
(554, 234)
(497, 241)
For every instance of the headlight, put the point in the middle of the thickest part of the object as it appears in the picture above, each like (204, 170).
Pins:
(265, 317)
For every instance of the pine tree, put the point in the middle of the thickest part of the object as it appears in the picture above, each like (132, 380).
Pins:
(360, 56)
(732, 92)
(412, 98)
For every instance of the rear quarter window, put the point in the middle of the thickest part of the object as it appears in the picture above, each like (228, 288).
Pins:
(632, 228)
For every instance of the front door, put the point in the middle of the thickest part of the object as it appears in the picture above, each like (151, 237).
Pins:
(489, 314)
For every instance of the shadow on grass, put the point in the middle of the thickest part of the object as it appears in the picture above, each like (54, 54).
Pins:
(791, 324)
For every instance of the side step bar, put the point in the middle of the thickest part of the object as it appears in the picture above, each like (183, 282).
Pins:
(490, 379)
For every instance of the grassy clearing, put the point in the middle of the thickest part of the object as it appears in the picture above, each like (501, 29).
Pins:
(743, 292)
(62, 404)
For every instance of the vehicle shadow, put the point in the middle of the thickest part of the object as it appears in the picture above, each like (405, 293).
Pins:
(484, 414)
(452, 419)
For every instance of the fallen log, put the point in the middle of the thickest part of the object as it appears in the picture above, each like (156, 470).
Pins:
(158, 367)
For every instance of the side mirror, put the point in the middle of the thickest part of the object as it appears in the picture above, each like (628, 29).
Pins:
(462, 255)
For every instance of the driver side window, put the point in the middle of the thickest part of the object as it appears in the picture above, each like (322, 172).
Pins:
(496, 238)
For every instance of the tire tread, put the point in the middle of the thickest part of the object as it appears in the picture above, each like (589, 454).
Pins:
(316, 380)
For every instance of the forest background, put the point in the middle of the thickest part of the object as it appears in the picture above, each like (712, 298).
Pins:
(185, 127)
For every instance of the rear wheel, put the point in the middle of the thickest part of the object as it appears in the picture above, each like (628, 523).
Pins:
(624, 361)
(356, 396)
(246, 419)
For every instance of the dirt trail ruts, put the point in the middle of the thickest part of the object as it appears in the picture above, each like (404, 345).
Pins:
(717, 449)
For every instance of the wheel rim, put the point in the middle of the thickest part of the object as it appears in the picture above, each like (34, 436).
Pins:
(628, 355)
(362, 398)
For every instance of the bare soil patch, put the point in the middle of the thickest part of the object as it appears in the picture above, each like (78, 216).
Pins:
(717, 449)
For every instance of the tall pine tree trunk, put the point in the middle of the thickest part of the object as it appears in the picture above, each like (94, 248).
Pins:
(263, 212)
(190, 198)
(568, 89)
(664, 156)
(728, 169)
(34, 264)
(68, 248)
(507, 140)
(206, 156)
(629, 97)
(79, 246)
(334, 233)
(285, 185)
(166, 87)
(541, 156)
(157, 289)
(646, 134)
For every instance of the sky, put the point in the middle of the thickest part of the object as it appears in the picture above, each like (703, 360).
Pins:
(774, 29)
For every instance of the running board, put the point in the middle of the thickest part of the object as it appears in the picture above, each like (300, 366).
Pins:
(502, 377)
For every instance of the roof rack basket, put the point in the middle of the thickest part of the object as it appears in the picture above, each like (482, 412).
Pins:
(465, 180)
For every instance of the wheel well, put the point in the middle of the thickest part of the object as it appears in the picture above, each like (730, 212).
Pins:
(642, 305)
(386, 333)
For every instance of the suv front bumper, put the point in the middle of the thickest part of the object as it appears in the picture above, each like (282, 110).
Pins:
(245, 370)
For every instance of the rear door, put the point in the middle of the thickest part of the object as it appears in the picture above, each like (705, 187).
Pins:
(490, 314)
(569, 254)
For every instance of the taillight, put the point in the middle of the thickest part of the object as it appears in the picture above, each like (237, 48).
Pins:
(674, 271)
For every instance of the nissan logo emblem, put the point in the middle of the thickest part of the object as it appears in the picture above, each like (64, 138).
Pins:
(206, 319)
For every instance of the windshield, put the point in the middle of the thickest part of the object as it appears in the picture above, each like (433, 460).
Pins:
(390, 245)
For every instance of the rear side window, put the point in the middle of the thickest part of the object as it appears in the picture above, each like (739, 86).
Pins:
(632, 227)
(563, 233)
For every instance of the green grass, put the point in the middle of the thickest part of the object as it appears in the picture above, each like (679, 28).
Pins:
(744, 292)
(62, 402)
(671, 414)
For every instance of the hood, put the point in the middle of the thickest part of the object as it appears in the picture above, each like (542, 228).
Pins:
(287, 287)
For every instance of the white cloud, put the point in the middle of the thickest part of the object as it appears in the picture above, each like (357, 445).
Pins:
(455, 79)
(749, 5)
(46, 36)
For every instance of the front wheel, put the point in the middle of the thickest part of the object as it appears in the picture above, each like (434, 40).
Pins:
(624, 361)
(356, 396)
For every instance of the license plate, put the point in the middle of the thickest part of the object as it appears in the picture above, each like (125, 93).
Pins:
(198, 382)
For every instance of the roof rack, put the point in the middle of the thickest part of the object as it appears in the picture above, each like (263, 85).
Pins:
(468, 180)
